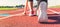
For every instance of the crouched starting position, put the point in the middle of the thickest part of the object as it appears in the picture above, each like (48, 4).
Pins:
(41, 9)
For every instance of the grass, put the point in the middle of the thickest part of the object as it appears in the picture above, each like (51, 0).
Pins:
(8, 8)
(57, 6)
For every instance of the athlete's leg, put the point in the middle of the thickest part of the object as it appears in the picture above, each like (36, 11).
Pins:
(26, 7)
(30, 4)
(38, 2)
(42, 17)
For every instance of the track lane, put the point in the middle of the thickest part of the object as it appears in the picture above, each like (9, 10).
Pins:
(26, 21)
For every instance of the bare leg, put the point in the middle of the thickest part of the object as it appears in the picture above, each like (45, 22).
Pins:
(30, 4)
(26, 7)
(38, 2)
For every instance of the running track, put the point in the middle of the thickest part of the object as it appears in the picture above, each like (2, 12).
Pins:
(26, 21)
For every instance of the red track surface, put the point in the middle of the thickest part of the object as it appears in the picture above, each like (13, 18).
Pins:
(26, 21)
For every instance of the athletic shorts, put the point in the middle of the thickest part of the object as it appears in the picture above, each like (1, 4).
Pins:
(42, 0)
(30, 0)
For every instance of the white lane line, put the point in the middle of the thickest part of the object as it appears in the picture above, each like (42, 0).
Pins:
(54, 11)
(20, 14)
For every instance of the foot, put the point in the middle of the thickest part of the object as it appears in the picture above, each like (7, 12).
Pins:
(43, 20)
(23, 13)
(32, 15)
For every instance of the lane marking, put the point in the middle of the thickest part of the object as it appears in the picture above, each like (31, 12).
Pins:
(20, 14)
(54, 11)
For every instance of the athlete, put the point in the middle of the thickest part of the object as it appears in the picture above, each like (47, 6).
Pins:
(41, 10)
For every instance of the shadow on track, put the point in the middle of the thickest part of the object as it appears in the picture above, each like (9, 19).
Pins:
(57, 18)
